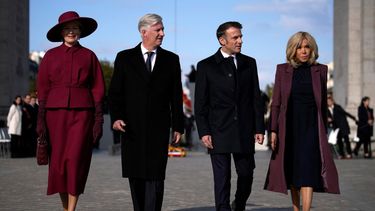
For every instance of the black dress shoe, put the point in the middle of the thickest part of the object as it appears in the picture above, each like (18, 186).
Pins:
(234, 207)
(355, 153)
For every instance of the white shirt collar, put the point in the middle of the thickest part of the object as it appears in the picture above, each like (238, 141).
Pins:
(144, 50)
(225, 55)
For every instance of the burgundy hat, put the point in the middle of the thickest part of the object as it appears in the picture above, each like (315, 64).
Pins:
(88, 26)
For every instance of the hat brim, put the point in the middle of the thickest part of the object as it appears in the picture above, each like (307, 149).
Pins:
(88, 26)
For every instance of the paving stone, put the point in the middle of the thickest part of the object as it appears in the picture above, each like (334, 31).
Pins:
(188, 186)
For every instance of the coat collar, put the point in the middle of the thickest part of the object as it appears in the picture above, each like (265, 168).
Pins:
(219, 58)
(74, 48)
(315, 77)
(140, 64)
(314, 68)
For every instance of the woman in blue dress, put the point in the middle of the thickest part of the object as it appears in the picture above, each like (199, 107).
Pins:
(301, 160)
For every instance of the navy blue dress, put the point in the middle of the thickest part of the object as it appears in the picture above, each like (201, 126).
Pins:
(302, 155)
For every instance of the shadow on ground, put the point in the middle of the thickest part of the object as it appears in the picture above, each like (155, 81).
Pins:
(254, 207)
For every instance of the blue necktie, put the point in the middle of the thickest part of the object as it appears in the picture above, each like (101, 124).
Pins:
(148, 61)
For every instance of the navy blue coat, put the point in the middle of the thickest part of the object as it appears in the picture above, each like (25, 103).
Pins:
(229, 110)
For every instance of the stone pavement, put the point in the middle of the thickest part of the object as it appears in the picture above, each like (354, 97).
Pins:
(188, 186)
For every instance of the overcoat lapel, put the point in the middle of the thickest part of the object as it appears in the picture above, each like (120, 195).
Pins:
(241, 67)
(158, 61)
(315, 77)
(219, 60)
(139, 64)
(288, 83)
(226, 69)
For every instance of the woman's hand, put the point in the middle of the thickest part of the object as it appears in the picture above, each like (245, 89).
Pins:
(273, 140)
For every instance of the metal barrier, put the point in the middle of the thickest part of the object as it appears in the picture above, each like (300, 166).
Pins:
(4, 143)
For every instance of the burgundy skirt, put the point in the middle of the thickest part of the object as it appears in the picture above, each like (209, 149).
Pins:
(70, 135)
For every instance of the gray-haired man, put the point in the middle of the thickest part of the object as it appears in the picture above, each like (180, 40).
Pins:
(145, 99)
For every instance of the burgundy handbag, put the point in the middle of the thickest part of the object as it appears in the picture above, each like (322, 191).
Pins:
(42, 150)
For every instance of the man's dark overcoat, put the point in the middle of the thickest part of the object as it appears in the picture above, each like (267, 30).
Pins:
(339, 119)
(229, 110)
(276, 180)
(149, 104)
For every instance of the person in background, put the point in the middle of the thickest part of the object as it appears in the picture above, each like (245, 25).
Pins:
(229, 115)
(70, 92)
(365, 127)
(34, 107)
(14, 123)
(145, 103)
(29, 145)
(301, 159)
(337, 119)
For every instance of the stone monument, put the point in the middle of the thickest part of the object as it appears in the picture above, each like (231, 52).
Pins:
(354, 53)
(14, 51)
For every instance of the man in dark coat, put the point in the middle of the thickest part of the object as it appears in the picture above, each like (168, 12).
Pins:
(145, 101)
(337, 119)
(229, 114)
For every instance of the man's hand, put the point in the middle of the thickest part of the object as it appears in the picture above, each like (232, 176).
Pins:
(259, 138)
(176, 137)
(273, 140)
(119, 125)
(207, 141)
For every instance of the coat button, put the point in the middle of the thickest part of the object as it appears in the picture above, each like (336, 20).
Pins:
(230, 74)
(235, 117)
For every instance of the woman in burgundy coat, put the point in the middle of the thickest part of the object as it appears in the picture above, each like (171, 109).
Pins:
(70, 93)
(301, 160)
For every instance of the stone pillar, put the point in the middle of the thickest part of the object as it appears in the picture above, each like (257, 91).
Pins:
(368, 54)
(14, 51)
(354, 53)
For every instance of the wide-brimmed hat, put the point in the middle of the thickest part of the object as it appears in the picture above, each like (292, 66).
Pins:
(88, 26)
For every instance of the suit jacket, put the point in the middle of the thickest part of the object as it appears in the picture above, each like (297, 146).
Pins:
(150, 104)
(228, 105)
(364, 129)
(275, 180)
(70, 77)
(339, 119)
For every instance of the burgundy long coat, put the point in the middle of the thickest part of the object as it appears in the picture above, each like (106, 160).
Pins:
(70, 82)
(276, 180)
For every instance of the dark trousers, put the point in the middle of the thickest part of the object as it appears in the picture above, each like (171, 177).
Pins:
(16, 146)
(340, 144)
(366, 141)
(147, 195)
(221, 165)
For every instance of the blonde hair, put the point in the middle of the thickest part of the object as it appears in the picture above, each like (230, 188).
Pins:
(294, 42)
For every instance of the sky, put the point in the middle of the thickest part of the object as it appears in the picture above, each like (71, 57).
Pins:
(190, 27)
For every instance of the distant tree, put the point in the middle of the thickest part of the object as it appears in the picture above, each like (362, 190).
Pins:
(107, 68)
(268, 90)
(33, 71)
